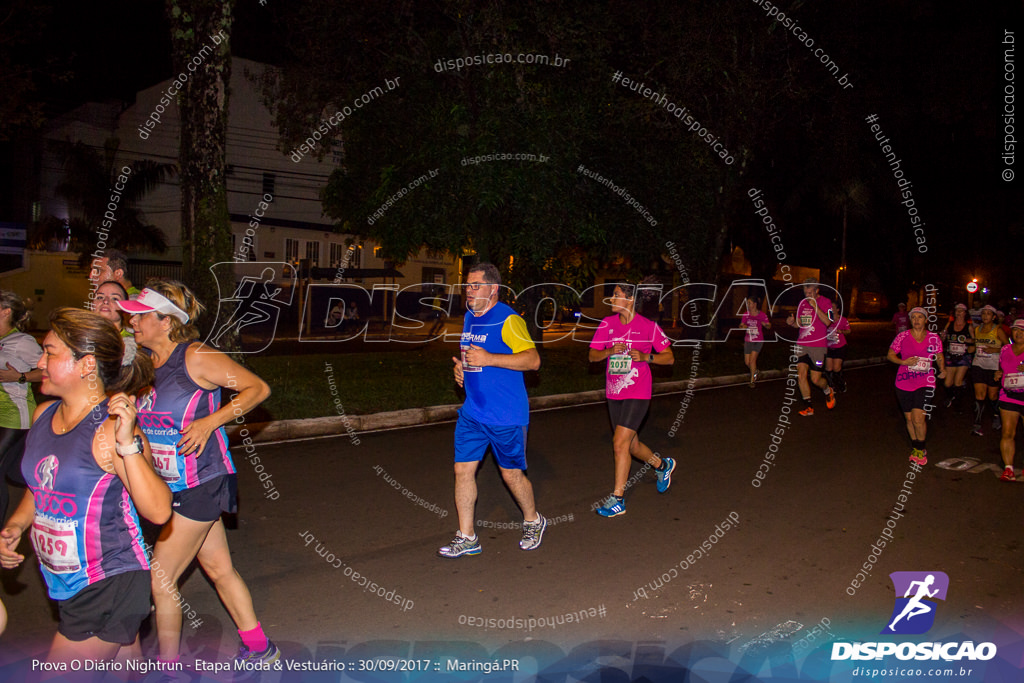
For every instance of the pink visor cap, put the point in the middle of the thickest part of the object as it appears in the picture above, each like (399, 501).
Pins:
(149, 301)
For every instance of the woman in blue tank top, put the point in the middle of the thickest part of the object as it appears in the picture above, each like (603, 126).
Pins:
(184, 420)
(87, 475)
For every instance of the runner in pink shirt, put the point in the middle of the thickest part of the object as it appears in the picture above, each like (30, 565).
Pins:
(629, 342)
(915, 350)
(1011, 394)
(754, 321)
(836, 353)
(812, 319)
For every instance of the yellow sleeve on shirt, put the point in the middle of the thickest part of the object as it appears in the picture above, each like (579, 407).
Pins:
(515, 335)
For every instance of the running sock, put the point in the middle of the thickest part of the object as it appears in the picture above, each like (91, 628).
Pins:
(807, 400)
(256, 640)
(979, 410)
(994, 405)
(917, 444)
(663, 466)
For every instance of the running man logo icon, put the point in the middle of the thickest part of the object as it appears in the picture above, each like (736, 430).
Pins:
(46, 472)
(145, 404)
(256, 302)
(914, 612)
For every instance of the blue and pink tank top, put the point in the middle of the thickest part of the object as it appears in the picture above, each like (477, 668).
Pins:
(175, 402)
(85, 527)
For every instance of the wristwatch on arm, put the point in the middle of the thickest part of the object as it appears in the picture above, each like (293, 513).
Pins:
(134, 449)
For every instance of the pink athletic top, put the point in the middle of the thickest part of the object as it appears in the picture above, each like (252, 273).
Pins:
(901, 321)
(1012, 365)
(755, 332)
(812, 329)
(627, 378)
(914, 377)
(835, 338)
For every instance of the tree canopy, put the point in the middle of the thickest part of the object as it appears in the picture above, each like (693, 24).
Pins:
(789, 118)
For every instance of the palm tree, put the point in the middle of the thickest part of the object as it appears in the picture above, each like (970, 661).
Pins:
(88, 181)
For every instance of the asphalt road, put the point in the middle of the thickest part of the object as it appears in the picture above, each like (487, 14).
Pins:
(795, 543)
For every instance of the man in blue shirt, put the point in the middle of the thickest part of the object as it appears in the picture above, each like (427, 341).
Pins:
(496, 350)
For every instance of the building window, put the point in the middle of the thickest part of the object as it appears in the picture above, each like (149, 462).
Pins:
(337, 255)
(347, 255)
(313, 253)
(269, 183)
(37, 212)
(291, 250)
(377, 251)
(434, 275)
(247, 252)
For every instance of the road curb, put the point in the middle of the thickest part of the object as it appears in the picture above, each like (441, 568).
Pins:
(338, 425)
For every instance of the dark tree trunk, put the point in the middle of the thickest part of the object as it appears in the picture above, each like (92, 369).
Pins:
(199, 33)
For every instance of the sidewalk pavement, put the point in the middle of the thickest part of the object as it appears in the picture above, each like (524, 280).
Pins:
(334, 425)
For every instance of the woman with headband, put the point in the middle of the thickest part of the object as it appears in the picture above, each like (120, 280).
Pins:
(915, 350)
(988, 339)
(184, 420)
(1011, 395)
(87, 476)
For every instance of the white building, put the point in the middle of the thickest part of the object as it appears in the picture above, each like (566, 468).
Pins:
(276, 199)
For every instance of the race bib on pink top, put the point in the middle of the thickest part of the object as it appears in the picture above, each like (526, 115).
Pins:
(812, 330)
(1012, 365)
(920, 374)
(753, 324)
(626, 378)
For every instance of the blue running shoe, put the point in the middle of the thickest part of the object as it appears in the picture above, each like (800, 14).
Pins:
(613, 507)
(665, 475)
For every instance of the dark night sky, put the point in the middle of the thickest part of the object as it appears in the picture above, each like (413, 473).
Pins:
(933, 76)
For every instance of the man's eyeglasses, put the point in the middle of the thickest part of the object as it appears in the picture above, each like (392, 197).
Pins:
(475, 286)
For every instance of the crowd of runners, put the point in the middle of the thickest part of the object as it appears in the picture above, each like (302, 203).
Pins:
(989, 354)
(136, 432)
(128, 470)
